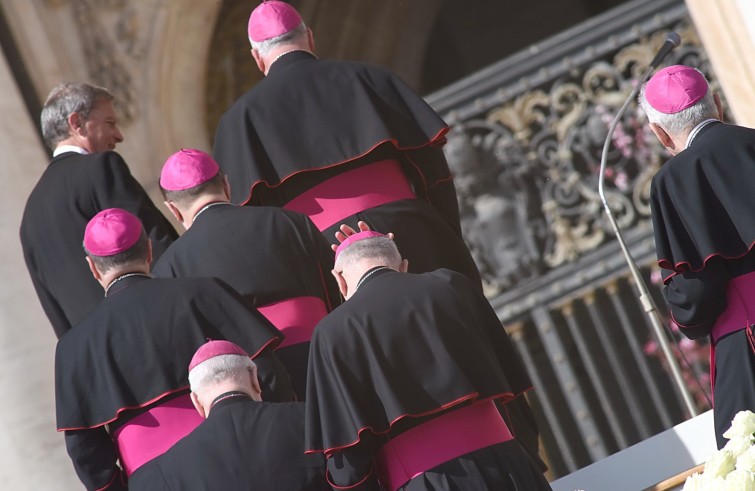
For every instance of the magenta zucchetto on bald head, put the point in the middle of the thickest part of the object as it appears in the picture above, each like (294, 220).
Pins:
(675, 88)
(111, 232)
(271, 19)
(214, 348)
(186, 169)
(367, 234)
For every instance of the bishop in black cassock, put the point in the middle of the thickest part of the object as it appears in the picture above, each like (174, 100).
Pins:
(120, 375)
(244, 443)
(341, 142)
(276, 259)
(702, 205)
(404, 377)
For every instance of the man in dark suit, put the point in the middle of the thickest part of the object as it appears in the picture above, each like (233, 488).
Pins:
(84, 177)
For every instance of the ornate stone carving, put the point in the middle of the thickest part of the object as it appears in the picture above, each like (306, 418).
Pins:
(526, 171)
(110, 29)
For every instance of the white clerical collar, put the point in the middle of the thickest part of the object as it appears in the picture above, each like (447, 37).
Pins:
(696, 130)
(69, 148)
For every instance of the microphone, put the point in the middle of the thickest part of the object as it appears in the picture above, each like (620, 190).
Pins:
(672, 41)
(646, 300)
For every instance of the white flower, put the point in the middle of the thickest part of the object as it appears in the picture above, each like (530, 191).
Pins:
(695, 482)
(714, 484)
(719, 464)
(746, 461)
(739, 481)
(739, 445)
(742, 425)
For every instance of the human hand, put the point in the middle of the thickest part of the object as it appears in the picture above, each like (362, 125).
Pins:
(346, 230)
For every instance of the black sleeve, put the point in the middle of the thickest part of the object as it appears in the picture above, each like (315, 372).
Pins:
(436, 184)
(326, 257)
(50, 305)
(352, 468)
(275, 381)
(240, 324)
(95, 459)
(696, 299)
(521, 420)
(117, 188)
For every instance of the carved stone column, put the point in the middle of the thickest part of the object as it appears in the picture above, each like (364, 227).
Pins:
(727, 29)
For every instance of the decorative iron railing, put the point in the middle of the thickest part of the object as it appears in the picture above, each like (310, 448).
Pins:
(525, 152)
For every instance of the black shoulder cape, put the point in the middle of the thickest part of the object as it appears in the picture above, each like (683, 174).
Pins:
(703, 201)
(242, 444)
(136, 346)
(310, 114)
(405, 345)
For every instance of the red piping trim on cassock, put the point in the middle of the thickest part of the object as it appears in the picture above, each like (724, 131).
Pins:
(664, 263)
(683, 326)
(508, 396)
(432, 142)
(170, 392)
(361, 481)
(112, 480)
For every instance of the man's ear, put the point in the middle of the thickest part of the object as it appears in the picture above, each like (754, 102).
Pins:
(258, 60)
(719, 106)
(76, 124)
(663, 137)
(198, 405)
(255, 384)
(149, 251)
(174, 211)
(342, 286)
(311, 40)
(93, 269)
(226, 187)
(404, 266)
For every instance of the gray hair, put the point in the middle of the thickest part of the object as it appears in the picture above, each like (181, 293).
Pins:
(220, 369)
(264, 47)
(382, 249)
(64, 100)
(684, 120)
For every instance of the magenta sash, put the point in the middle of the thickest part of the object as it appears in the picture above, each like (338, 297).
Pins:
(295, 317)
(352, 192)
(740, 307)
(439, 440)
(152, 433)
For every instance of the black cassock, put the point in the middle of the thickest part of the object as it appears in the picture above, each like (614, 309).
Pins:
(702, 203)
(266, 254)
(135, 348)
(403, 349)
(70, 192)
(243, 444)
(310, 120)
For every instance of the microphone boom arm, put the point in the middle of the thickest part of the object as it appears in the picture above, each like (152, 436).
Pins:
(647, 302)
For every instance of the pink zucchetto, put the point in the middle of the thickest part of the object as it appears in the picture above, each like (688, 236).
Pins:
(186, 169)
(675, 88)
(111, 232)
(214, 348)
(271, 19)
(367, 234)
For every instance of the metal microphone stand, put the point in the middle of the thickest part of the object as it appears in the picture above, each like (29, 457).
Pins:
(648, 304)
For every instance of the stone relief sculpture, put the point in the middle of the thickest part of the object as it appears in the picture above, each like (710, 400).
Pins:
(526, 171)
